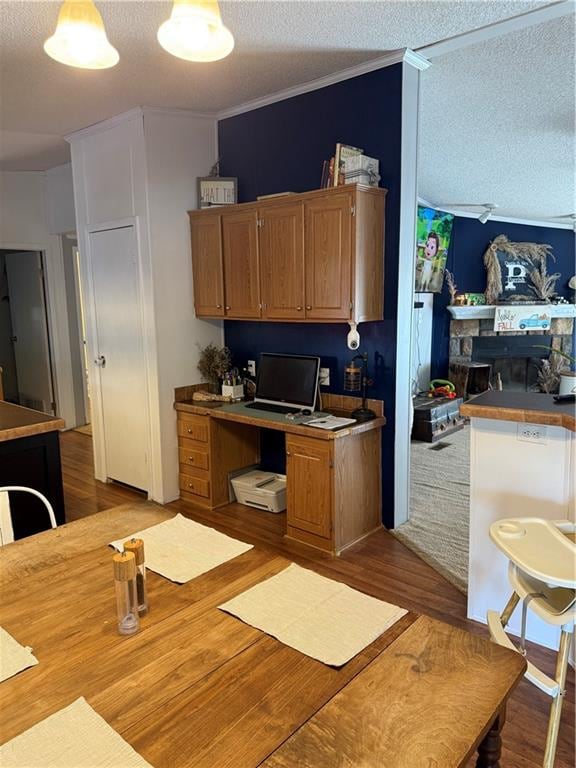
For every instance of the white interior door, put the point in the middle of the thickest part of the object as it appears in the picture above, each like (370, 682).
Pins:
(30, 329)
(120, 354)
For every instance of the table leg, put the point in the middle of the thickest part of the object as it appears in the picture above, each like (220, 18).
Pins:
(490, 747)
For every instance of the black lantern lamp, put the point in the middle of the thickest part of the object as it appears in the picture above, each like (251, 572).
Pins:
(356, 380)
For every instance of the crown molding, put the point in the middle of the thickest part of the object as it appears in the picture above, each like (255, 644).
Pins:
(415, 59)
(499, 28)
(104, 125)
(504, 219)
(389, 59)
(189, 114)
(136, 114)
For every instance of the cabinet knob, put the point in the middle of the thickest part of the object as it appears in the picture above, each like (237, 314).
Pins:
(288, 453)
(218, 306)
(189, 430)
(299, 309)
(227, 307)
(190, 485)
(191, 459)
(308, 306)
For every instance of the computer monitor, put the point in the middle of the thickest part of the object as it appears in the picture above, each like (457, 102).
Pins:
(289, 380)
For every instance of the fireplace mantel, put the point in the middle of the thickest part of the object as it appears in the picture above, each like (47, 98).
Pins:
(488, 311)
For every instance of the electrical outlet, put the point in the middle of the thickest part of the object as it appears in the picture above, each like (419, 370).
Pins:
(251, 366)
(532, 433)
(324, 377)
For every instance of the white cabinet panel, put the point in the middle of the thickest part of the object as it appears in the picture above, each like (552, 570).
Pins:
(109, 174)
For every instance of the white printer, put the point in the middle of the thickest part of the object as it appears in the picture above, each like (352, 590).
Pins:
(262, 490)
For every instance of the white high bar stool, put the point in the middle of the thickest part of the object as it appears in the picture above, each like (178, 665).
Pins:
(542, 572)
(6, 530)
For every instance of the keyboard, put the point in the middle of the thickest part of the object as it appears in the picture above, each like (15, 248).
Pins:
(271, 408)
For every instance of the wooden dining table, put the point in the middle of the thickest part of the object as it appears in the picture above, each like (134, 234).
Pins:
(197, 688)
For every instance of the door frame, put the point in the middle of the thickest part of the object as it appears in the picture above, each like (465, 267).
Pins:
(56, 305)
(81, 328)
(149, 346)
(406, 276)
(48, 340)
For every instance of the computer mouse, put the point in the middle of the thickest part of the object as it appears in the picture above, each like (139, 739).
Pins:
(306, 412)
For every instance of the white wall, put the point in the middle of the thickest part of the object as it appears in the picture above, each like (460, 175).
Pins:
(141, 168)
(24, 226)
(179, 148)
(61, 216)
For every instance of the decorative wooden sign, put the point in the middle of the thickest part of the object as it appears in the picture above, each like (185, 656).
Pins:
(522, 317)
(510, 269)
(217, 190)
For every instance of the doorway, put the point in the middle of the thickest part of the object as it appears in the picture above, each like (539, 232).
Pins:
(119, 370)
(25, 355)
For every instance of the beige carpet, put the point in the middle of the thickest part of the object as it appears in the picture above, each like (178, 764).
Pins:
(439, 506)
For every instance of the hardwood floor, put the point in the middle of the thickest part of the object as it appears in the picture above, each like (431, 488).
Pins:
(380, 566)
(83, 495)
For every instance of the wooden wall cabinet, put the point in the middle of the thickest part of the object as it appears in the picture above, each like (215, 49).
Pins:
(313, 257)
(207, 269)
(281, 244)
(241, 264)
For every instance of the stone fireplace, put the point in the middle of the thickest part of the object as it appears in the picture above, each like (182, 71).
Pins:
(513, 356)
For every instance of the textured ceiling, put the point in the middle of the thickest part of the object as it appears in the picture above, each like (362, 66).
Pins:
(278, 44)
(497, 124)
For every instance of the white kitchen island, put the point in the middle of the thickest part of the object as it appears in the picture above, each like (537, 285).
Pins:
(522, 463)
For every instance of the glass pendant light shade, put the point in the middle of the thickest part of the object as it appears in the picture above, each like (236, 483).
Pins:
(80, 38)
(195, 31)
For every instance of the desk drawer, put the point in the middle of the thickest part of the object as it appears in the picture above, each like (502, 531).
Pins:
(193, 427)
(197, 485)
(193, 454)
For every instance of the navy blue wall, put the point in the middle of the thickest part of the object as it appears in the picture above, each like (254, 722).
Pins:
(281, 147)
(470, 239)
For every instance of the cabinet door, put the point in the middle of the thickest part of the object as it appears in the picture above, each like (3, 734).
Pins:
(281, 241)
(207, 268)
(241, 268)
(309, 485)
(328, 226)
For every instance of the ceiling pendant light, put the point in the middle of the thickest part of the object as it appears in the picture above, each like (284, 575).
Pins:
(195, 31)
(80, 38)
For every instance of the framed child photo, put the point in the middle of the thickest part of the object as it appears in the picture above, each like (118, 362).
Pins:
(433, 233)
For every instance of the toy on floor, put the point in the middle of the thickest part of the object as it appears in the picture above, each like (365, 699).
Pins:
(441, 388)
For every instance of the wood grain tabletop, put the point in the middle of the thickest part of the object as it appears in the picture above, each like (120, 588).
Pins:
(16, 421)
(522, 407)
(197, 687)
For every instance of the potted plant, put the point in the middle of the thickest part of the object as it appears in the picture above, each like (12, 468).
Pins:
(567, 375)
(213, 363)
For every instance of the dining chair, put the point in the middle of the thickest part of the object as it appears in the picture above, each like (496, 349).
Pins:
(6, 529)
(542, 573)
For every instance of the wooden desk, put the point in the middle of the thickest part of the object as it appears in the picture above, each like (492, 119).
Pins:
(196, 687)
(333, 479)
